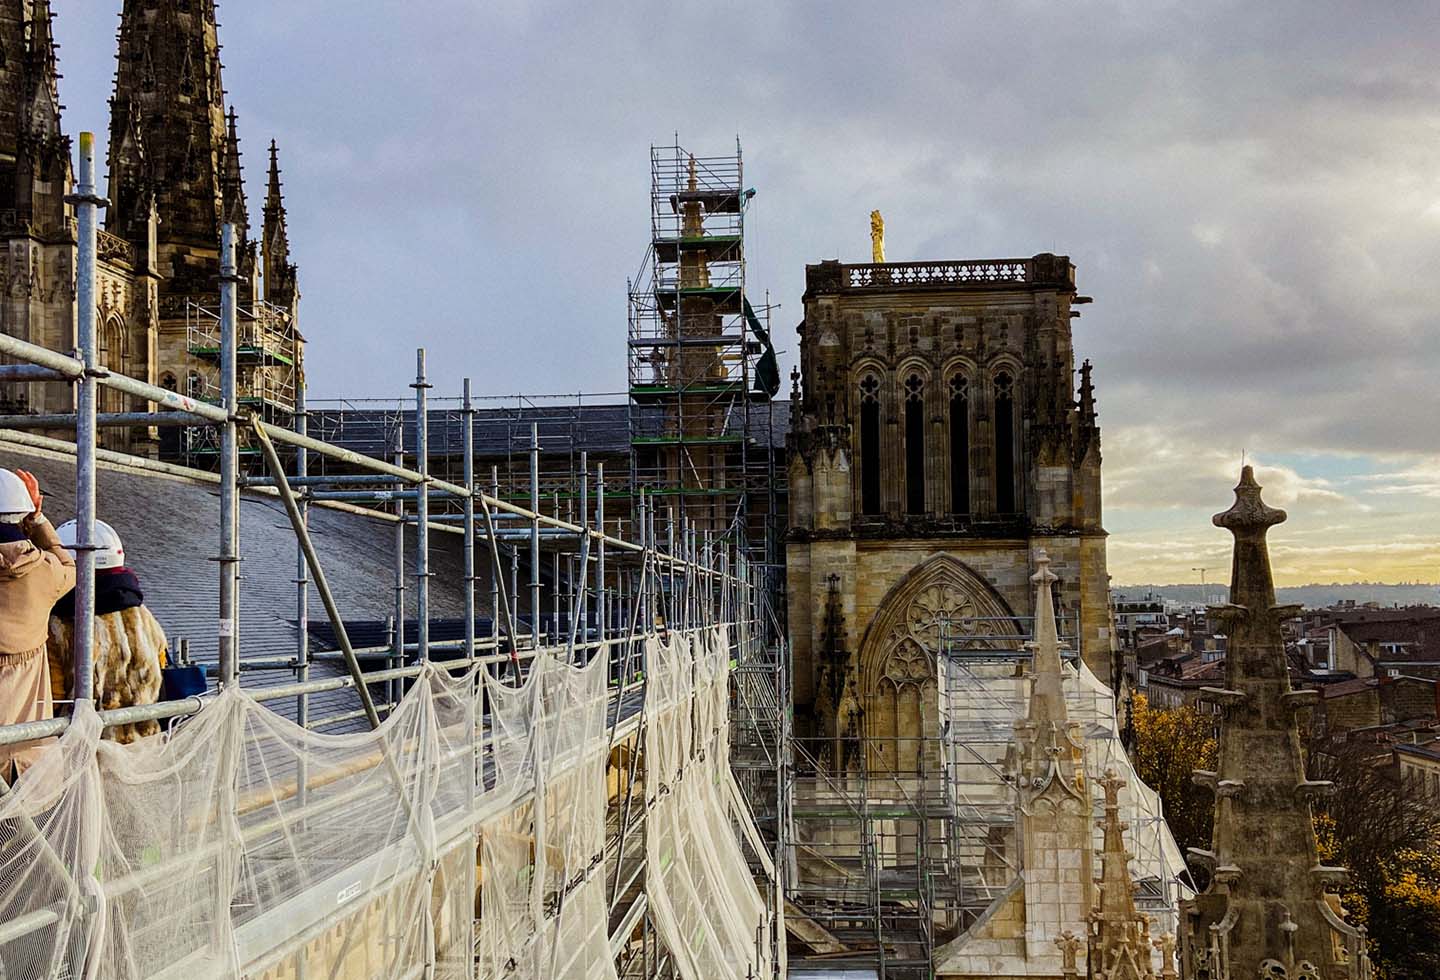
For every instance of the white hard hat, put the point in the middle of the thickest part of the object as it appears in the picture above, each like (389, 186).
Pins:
(15, 502)
(109, 552)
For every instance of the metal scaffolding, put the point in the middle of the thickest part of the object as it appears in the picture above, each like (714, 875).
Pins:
(893, 853)
(693, 354)
(591, 595)
(268, 372)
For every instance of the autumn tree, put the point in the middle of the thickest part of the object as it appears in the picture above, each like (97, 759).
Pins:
(1170, 744)
(1389, 841)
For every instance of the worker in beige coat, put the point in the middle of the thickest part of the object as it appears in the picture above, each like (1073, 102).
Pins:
(130, 647)
(35, 570)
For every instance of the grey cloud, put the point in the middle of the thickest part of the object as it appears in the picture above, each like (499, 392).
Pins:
(1243, 188)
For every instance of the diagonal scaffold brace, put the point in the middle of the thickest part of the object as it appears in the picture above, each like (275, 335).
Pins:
(302, 534)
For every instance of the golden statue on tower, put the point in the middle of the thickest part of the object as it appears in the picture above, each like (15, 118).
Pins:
(877, 237)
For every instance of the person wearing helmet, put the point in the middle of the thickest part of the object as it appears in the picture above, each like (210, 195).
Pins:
(35, 570)
(130, 647)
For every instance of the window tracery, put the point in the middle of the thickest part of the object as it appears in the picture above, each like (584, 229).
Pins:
(870, 444)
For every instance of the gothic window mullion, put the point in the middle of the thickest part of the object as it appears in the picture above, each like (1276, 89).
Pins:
(959, 445)
(914, 448)
(870, 445)
(1005, 454)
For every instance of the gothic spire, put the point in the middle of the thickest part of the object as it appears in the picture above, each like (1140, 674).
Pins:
(43, 78)
(1050, 748)
(168, 74)
(232, 183)
(29, 91)
(277, 239)
(1119, 934)
(279, 273)
(1087, 434)
(1053, 807)
(1087, 395)
(1267, 910)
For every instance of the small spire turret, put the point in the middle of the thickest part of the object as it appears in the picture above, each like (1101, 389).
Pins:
(1050, 745)
(280, 276)
(1120, 946)
(42, 76)
(232, 183)
(1087, 395)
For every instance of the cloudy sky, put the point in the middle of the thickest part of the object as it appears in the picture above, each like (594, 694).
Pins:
(1251, 192)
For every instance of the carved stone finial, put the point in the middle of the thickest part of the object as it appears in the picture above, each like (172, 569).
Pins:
(1043, 575)
(1166, 947)
(1249, 511)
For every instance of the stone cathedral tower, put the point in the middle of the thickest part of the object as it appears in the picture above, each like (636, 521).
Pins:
(175, 154)
(175, 177)
(938, 444)
(38, 251)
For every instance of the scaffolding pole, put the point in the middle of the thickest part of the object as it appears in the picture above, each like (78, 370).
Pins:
(302, 580)
(468, 435)
(535, 534)
(229, 625)
(422, 509)
(86, 202)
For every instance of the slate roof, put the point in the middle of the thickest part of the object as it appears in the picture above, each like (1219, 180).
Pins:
(597, 429)
(170, 527)
(1417, 630)
(1346, 688)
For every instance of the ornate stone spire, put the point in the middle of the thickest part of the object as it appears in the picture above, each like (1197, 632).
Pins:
(34, 152)
(1119, 935)
(1087, 394)
(275, 204)
(1087, 431)
(168, 75)
(1266, 912)
(232, 183)
(1054, 819)
(43, 80)
(1050, 744)
(280, 275)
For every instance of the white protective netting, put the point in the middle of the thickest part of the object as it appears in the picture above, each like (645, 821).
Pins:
(463, 838)
(982, 701)
(704, 903)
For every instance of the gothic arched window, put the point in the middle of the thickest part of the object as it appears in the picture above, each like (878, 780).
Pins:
(914, 445)
(959, 445)
(1004, 443)
(112, 355)
(870, 445)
